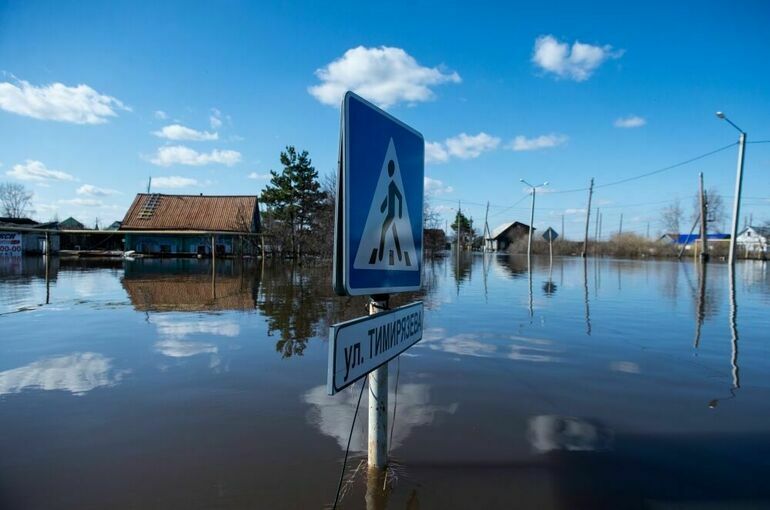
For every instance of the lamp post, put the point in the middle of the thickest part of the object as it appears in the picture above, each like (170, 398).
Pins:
(738, 186)
(531, 222)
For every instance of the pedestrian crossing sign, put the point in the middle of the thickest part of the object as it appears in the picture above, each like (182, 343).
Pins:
(378, 228)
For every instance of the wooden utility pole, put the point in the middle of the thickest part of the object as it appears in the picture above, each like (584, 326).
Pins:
(704, 252)
(620, 228)
(486, 228)
(588, 218)
(648, 230)
(563, 237)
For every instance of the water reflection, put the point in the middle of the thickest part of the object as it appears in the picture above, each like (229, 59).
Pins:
(487, 345)
(548, 433)
(77, 373)
(332, 415)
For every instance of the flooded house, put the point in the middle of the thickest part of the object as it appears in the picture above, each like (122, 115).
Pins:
(753, 241)
(158, 224)
(504, 235)
(26, 240)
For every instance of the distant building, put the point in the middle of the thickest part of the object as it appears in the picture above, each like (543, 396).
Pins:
(71, 224)
(754, 240)
(17, 243)
(229, 216)
(504, 235)
(115, 225)
(690, 239)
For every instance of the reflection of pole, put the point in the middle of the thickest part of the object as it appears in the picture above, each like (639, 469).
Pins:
(700, 312)
(378, 401)
(734, 328)
(588, 219)
(585, 297)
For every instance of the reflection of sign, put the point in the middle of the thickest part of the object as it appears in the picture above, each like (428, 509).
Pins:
(550, 235)
(10, 244)
(361, 345)
(378, 237)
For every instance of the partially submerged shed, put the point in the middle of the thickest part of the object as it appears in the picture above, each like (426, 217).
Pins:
(504, 235)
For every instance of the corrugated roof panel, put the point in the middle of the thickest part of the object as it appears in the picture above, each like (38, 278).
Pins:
(191, 212)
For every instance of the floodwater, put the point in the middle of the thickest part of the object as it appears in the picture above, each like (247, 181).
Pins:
(604, 384)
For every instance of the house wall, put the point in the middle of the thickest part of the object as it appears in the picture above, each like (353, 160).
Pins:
(504, 240)
(752, 242)
(179, 244)
(32, 242)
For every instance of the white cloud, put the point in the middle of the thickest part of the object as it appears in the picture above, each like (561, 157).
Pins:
(522, 143)
(576, 63)
(462, 146)
(435, 153)
(260, 177)
(384, 75)
(574, 211)
(179, 154)
(435, 187)
(173, 181)
(83, 202)
(76, 373)
(80, 104)
(215, 119)
(468, 147)
(36, 171)
(95, 191)
(632, 121)
(161, 115)
(179, 132)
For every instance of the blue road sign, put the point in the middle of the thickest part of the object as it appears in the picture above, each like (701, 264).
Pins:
(378, 238)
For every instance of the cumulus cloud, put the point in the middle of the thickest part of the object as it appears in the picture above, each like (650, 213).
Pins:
(36, 171)
(94, 191)
(79, 105)
(173, 181)
(259, 177)
(522, 143)
(384, 75)
(462, 146)
(577, 62)
(435, 153)
(179, 132)
(181, 155)
(435, 187)
(632, 121)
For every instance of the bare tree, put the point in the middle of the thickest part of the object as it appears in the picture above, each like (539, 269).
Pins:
(671, 217)
(15, 200)
(715, 206)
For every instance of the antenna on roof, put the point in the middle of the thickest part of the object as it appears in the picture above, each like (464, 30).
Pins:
(149, 184)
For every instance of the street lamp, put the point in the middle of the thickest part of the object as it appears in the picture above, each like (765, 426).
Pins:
(738, 185)
(531, 221)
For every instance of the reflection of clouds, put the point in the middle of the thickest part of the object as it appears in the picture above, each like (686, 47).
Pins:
(174, 332)
(77, 373)
(512, 347)
(332, 415)
(628, 367)
(548, 432)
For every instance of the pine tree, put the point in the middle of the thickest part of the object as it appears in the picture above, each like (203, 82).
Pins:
(294, 196)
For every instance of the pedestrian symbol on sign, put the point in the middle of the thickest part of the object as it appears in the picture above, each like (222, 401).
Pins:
(387, 241)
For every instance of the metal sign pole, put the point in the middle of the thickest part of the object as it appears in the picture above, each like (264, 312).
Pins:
(378, 401)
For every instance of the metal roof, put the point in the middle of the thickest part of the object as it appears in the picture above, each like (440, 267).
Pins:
(505, 226)
(763, 231)
(191, 212)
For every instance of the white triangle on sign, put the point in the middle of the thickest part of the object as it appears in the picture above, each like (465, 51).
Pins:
(387, 242)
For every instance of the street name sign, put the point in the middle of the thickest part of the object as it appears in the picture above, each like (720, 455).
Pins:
(378, 224)
(550, 235)
(359, 346)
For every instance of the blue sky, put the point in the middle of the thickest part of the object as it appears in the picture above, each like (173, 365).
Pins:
(97, 97)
